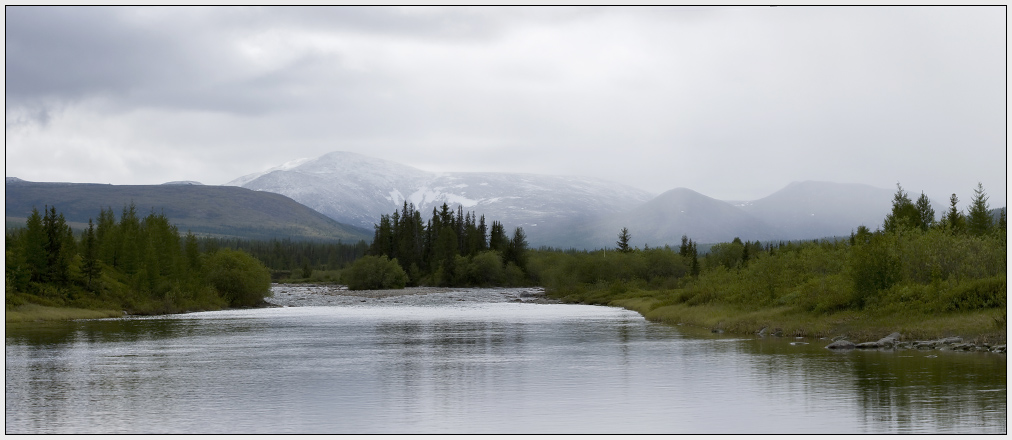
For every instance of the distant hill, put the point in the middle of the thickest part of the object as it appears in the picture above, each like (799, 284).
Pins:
(665, 218)
(804, 210)
(223, 211)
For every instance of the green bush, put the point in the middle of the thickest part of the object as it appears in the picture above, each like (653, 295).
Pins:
(977, 294)
(371, 272)
(239, 278)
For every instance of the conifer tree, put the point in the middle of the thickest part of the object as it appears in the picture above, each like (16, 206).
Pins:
(35, 247)
(516, 249)
(904, 214)
(953, 218)
(925, 215)
(978, 216)
(58, 247)
(684, 249)
(623, 241)
(90, 267)
(497, 238)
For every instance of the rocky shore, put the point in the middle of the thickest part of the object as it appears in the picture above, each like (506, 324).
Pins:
(894, 342)
(302, 295)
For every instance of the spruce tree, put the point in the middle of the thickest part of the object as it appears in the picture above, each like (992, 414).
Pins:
(623, 241)
(35, 247)
(925, 215)
(90, 267)
(978, 216)
(903, 215)
(953, 218)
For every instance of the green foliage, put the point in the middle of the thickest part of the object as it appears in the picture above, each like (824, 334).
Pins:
(978, 216)
(452, 248)
(375, 272)
(623, 241)
(904, 213)
(239, 278)
(138, 265)
(873, 267)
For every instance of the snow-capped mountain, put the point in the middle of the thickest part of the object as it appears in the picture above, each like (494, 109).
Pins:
(356, 189)
(565, 211)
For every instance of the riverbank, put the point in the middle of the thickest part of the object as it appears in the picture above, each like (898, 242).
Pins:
(301, 295)
(980, 327)
(28, 313)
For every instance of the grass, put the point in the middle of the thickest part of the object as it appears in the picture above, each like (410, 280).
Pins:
(980, 326)
(28, 313)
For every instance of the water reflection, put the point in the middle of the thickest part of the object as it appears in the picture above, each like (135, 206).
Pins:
(482, 368)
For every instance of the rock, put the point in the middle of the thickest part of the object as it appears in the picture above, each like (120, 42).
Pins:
(841, 345)
(837, 338)
(998, 348)
(956, 340)
(866, 345)
(763, 331)
(890, 340)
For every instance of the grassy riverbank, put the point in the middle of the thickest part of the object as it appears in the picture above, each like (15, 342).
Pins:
(922, 284)
(981, 326)
(28, 313)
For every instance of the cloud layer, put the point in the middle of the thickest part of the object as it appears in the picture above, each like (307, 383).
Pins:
(732, 102)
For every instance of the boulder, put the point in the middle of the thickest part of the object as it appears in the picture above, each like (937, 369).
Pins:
(890, 340)
(842, 344)
(866, 345)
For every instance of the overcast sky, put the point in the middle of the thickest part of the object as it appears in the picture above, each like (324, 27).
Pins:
(732, 102)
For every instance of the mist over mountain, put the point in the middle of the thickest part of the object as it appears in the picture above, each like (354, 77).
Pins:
(804, 210)
(356, 189)
(565, 211)
(342, 195)
(682, 211)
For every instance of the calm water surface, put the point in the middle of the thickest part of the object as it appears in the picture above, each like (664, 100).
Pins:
(475, 367)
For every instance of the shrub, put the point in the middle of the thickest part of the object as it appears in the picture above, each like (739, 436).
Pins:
(372, 272)
(239, 278)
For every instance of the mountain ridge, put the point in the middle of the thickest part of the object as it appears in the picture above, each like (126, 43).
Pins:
(203, 209)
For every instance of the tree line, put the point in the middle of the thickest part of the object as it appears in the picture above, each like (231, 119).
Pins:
(914, 262)
(452, 248)
(142, 265)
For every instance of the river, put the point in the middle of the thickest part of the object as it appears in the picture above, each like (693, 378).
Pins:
(473, 361)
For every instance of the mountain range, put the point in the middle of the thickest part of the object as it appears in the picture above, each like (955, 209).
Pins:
(567, 211)
(342, 195)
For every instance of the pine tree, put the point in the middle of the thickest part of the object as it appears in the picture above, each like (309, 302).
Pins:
(978, 216)
(623, 241)
(497, 238)
(904, 214)
(90, 267)
(35, 247)
(925, 215)
(516, 249)
(58, 254)
(953, 218)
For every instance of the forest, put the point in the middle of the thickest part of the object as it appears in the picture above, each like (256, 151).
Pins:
(133, 264)
(450, 249)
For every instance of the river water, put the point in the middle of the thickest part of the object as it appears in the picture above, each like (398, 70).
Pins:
(473, 361)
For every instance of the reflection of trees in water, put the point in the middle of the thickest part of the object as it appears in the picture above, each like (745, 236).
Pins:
(444, 358)
(892, 391)
(907, 390)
